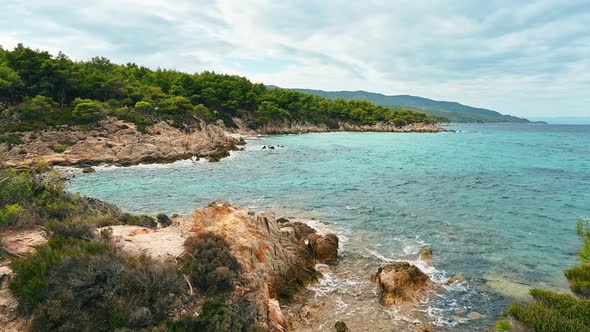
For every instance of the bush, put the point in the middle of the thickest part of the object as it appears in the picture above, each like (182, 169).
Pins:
(141, 220)
(9, 215)
(567, 305)
(214, 317)
(71, 284)
(68, 229)
(11, 140)
(87, 111)
(579, 278)
(58, 148)
(164, 220)
(209, 263)
(543, 319)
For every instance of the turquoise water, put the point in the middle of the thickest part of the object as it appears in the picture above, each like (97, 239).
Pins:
(496, 203)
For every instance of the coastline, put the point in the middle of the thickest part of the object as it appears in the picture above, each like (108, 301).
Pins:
(119, 143)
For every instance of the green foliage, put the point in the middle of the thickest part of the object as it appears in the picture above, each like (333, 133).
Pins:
(209, 263)
(561, 312)
(141, 220)
(214, 317)
(58, 148)
(579, 279)
(87, 111)
(11, 140)
(48, 90)
(503, 325)
(543, 319)
(9, 214)
(67, 229)
(73, 284)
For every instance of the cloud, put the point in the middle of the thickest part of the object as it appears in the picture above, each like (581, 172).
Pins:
(524, 58)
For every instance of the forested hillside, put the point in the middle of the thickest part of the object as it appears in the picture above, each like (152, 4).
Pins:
(39, 90)
(452, 111)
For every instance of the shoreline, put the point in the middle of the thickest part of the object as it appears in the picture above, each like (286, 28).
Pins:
(119, 143)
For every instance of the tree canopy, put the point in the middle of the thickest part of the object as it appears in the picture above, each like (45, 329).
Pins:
(38, 90)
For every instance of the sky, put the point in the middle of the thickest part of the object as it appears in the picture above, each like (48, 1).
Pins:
(525, 58)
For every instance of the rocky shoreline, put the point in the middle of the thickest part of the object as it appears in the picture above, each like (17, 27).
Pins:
(278, 259)
(119, 143)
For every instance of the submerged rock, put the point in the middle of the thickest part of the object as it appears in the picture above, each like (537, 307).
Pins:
(425, 255)
(401, 282)
(88, 170)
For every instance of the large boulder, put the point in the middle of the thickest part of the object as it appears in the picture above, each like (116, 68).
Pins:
(401, 282)
(324, 248)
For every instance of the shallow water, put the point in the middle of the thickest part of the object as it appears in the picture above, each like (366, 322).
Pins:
(496, 203)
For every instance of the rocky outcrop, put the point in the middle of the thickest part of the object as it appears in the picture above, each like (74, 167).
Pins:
(401, 282)
(119, 143)
(275, 257)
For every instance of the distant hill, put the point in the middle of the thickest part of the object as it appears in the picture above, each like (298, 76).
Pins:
(452, 111)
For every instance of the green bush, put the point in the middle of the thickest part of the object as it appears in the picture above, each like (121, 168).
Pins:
(214, 317)
(88, 111)
(9, 215)
(579, 278)
(209, 263)
(567, 305)
(67, 229)
(11, 140)
(543, 319)
(141, 220)
(59, 148)
(72, 284)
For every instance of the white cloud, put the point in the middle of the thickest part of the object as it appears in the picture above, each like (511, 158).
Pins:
(524, 59)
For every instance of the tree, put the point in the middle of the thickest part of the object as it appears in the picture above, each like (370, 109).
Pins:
(10, 82)
(87, 111)
(269, 112)
(35, 109)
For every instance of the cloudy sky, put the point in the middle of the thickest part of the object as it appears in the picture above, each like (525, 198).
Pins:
(526, 58)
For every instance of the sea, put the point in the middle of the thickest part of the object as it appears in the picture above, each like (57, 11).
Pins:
(496, 203)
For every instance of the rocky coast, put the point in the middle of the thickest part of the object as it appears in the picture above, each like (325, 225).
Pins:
(120, 143)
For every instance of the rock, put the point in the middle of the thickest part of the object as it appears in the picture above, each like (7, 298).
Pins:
(425, 255)
(282, 220)
(164, 220)
(275, 264)
(401, 282)
(88, 170)
(324, 248)
(276, 320)
(271, 147)
(474, 315)
(263, 147)
(341, 326)
(456, 278)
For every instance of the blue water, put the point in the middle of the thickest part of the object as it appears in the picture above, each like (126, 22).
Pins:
(496, 203)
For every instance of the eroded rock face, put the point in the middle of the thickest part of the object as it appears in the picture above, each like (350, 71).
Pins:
(120, 143)
(401, 282)
(275, 259)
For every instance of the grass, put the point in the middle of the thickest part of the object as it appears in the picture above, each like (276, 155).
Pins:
(543, 319)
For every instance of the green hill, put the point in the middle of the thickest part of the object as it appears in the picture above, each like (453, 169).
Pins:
(453, 111)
